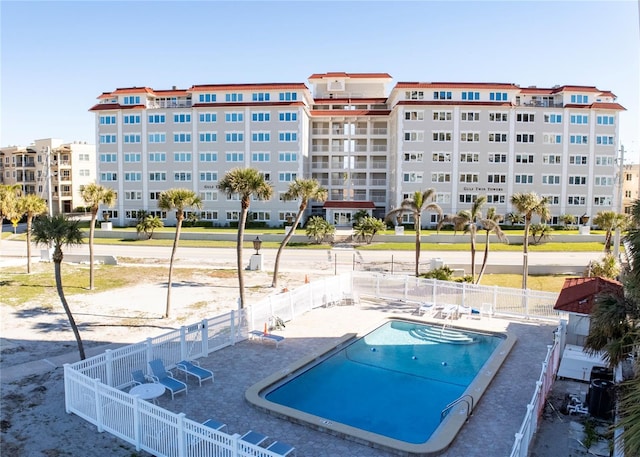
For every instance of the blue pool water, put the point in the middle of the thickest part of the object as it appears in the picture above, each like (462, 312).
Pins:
(392, 382)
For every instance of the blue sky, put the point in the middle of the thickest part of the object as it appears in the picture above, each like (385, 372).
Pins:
(57, 57)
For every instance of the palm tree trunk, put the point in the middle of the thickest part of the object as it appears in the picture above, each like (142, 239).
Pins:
(57, 262)
(29, 219)
(417, 227)
(525, 254)
(92, 229)
(173, 254)
(484, 260)
(274, 281)
(241, 222)
(473, 256)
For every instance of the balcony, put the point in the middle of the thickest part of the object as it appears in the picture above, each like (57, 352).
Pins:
(540, 103)
(379, 148)
(320, 148)
(316, 165)
(379, 164)
(379, 131)
(169, 104)
(320, 131)
(378, 182)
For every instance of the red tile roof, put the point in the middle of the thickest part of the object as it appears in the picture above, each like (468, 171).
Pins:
(110, 106)
(454, 85)
(349, 204)
(578, 294)
(606, 105)
(341, 100)
(339, 74)
(262, 86)
(350, 112)
(132, 90)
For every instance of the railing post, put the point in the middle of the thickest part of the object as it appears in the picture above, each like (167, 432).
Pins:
(232, 333)
(149, 343)
(205, 337)
(434, 294)
(96, 386)
(518, 446)
(495, 300)
(67, 386)
(405, 292)
(136, 421)
(182, 451)
(464, 292)
(109, 362)
(183, 343)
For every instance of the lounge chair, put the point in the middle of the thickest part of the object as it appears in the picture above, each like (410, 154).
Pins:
(254, 438)
(262, 336)
(165, 377)
(214, 424)
(138, 377)
(193, 368)
(280, 448)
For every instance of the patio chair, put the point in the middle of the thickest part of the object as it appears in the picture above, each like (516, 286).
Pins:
(280, 448)
(138, 377)
(165, 377)
(214, 424)
(262, 336)
(254, 438)
(193, 368)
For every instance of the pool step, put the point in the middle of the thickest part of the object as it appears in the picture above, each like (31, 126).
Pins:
(441, 335)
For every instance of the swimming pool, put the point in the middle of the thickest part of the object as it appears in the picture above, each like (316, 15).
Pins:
(390, 387)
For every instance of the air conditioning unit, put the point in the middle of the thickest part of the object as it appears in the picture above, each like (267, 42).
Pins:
(336, 85)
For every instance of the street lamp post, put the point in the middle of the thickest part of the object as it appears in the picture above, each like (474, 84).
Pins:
(255, 263)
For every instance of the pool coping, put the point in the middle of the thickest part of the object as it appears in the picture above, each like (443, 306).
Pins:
(441, 438)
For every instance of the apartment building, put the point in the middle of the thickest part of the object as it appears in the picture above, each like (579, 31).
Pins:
(630, 187)
(369, 142)
(51, 169)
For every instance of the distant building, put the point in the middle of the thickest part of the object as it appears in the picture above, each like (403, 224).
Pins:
(71, 166)
(630, 186)
(369, 144)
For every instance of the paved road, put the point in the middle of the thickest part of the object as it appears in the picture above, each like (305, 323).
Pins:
(311, 259)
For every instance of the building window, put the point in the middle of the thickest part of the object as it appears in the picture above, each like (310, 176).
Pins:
(468, 95)
(441, 136)
(233, 97)
(443, 197)
(605, 120)
(606, 181)
(287, 176)
(182, 176)
(260, 216)
(108, 158)
(498, 117)
(602, 201)
(182, 138)
(208, 118)
(549, 138)
(131, 119)
(132, 157)
(107, 139)
(260, 157)
(154, 195)
(498, 96)
(578, 160)
(157, 138)
(497, 178)
(157, 157)
(133, 195)
(525, 117)
(414, 95)
(234, 156)
(604, 160)
(288, 96)
(579, 98)
(414, 136)
(470, 116)
(207, 98)
(260, 137)
(579, 119)
(551, 159)
(260, 96)
(524, 179)
(208, 137)
(442, 115)
(181, 118)
(552, 118)
(234, 117)
(604, 139)
(524, 158)
(467, 198)
(208, 176)
(85, 172)
(182, 157)
(107, 120)
(524, 137)
(131, 100)
(469, 157)
(496, 157)
(157, 176)
(577, 180)
(132, 138)
(83, 157)
(440, 177)
(576, 200)
(234, 137)
(578, 139)
(553, 199)
(288, 116)
(287, 157)
(470, 137)
(157, 118)
(132, 177)
(233, 215)
(208, 157)
(414, 115)
(497, 137)
(260, 116)
(496, 198)
(442, 95)
(412, 177)
(551, 179)
(286, 137)
(469, 177)
(435, 157)
(108, 176)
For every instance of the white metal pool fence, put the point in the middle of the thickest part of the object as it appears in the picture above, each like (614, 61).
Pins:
(94, 387)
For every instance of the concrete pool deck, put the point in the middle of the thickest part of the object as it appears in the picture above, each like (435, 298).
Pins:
(490, 430)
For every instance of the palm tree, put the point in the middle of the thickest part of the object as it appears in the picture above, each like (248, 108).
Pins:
(567, 220)
(421, 201)
(304, 190)
(178, 200)
(32, 206)
(529, 204)
(9, 194)
(609, 221)
(367, 227)
(319, 229)
(246, 182)
(95, 195)
(490, 224)
(60, 231)
(540, 233)
(467, 220)
(148, 225)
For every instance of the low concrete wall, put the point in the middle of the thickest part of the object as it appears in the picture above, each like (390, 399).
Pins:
(45, 256)
(534, 270)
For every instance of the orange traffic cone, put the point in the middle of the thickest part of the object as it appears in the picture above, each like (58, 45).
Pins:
(265, 328)
(306, 279)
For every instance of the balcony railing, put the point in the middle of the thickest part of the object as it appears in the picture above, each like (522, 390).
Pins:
(379, 131)
(169, 104)
(378, 182)
(320, 131)
(378, 164)
(379, 148)
(315, 165)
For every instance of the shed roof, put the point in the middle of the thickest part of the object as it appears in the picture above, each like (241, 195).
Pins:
(578, 294)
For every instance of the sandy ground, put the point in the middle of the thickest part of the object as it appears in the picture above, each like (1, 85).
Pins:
(33, 421)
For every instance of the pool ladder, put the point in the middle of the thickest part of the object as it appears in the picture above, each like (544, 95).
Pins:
(467, 399)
